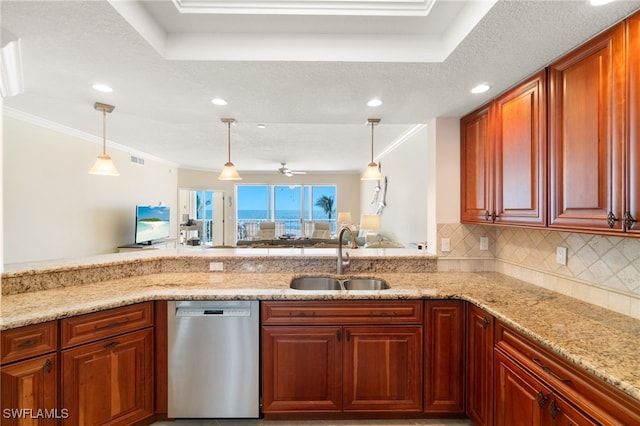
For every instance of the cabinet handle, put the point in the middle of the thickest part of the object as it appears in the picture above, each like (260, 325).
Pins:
(485, 323)
(550, 371)
(611, 219)
(348, 335)
(112, 324)
(384, 314)
(338, 335)
(553, 409)
(27, 343)
(490, 217)
(628, 221)
(541, 399)
(47, 366)
(111, 345)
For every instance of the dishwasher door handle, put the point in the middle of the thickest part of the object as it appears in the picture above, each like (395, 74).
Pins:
(212, 312)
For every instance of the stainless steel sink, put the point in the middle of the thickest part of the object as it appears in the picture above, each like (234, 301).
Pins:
(315, 283)
(330, 283)
(366, 284)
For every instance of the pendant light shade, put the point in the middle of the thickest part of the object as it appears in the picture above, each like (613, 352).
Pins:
(372, 172)
(229, 171)
(103, 165)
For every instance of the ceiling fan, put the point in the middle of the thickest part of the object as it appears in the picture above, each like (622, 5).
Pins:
(288, 172)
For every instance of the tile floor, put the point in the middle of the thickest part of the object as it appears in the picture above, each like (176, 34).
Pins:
(409, 422)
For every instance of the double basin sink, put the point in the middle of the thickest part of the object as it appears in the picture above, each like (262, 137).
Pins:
(331, 283)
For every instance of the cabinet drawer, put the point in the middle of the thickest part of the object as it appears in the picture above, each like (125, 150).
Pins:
(595, 397)
(99, 325)
(342, 312)
(28, 341)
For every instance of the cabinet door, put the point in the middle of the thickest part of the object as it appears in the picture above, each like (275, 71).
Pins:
(479, 352)
(586, 131)
(475, 167)
(383, 368)
(520, 399)
(564, 413)
(632, 210)
(110, 381)
(443, 356)
(301, 368)
(520, 159)
(29, 392)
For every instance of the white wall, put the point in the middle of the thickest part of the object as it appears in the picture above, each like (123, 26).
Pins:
(347, 194)
(404, 219)
(54, 209)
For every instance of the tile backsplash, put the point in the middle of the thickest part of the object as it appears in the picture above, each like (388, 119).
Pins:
(601, 270)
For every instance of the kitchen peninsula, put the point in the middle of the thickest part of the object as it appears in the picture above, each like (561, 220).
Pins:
(597, 344)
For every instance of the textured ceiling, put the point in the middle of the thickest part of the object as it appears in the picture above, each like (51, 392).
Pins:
(315, 110)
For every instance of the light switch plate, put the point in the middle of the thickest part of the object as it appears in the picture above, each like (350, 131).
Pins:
(445, 244)
(561, 255)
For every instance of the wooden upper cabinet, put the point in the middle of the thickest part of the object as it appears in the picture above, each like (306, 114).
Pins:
(520, 157)
(586, 134)
(631, 215)
(475, 167)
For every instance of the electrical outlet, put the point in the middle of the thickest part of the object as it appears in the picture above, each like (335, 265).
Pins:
(216, 267)
(484, 243)
(561, 255)
(445, 244)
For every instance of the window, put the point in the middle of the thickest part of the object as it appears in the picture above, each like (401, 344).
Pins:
(293, 208)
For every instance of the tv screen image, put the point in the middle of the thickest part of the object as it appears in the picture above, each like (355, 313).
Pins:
(152, 223)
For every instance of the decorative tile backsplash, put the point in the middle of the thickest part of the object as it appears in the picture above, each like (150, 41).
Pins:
(601, 270)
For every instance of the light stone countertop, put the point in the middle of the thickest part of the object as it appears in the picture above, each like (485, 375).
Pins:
(600, 341)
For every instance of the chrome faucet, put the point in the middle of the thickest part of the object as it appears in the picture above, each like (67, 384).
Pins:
(342, 263)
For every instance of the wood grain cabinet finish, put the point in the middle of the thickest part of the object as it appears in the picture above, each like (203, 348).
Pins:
(476, 179)
(631, 216)
(504, 158)
(574, 396)
(520, 154)
(107, 366)
(29, 392)
(28, 376)
(479, 366)
(444, 356)
(341, 356)
(586, 134)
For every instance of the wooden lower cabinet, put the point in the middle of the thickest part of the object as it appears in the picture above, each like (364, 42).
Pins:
(479, 366)
(382, 368)
(29, 392)
(109, 381)
(443, 357)
(302, 368)
(520, 399)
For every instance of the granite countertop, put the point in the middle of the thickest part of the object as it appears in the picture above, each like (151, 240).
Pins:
(598, 340)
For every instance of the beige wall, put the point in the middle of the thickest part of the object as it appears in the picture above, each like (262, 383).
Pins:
(347, 194)
(54, 209)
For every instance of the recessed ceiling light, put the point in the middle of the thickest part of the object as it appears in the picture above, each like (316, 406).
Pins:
(481, 88)
(261, 126)
(374, 102)
(599, 2)
(218, 101)
(102, 88)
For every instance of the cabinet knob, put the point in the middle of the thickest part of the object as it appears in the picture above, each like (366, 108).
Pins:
(611, 219)
(47, 366)
(490, 217)
(485, 323)
(541, 399)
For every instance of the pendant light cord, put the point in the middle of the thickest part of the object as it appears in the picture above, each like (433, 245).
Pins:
(104, 132)
(229, 140)
(372, 141)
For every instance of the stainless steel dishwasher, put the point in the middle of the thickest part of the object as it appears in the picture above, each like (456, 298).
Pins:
(213, 359)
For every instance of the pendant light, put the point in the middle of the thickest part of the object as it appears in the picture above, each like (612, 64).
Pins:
(103, 165)
(229, 171)
(372, 172)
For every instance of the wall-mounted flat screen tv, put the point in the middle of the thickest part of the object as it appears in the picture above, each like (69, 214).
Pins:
(152, 223)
